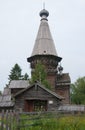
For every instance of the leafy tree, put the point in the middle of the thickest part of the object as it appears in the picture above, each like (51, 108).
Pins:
(39, 74)
(78, 91)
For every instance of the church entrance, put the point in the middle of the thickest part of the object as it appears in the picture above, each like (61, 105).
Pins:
(40, 105)
(35, 105)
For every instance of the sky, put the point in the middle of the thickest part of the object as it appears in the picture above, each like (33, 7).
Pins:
(19, 23)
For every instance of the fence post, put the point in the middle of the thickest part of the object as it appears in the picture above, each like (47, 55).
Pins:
(2, 120)
(10, 119)
(18, 121)
(7, 120)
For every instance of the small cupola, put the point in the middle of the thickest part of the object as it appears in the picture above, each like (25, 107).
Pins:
(44, 14)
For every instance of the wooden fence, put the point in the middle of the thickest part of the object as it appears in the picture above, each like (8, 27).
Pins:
(8, 120)
(33, 119)
(13, 120)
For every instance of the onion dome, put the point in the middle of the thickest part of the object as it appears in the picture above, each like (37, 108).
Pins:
(44, 14)
(60, 69)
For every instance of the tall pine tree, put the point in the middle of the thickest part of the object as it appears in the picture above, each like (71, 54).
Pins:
(15, 73)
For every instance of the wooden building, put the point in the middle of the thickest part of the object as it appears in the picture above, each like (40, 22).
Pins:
(36, 97)
(44, 51)
(6, 100)
(24, 97)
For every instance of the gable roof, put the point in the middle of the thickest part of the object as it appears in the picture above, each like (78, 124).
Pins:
(19, 84)
(41, 86)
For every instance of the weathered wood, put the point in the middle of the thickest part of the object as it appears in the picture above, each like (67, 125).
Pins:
(32, 95)
(18, 121)
(7, 121)
(2, 119)
(8, 118)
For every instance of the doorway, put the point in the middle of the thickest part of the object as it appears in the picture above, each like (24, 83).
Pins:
(35, 105)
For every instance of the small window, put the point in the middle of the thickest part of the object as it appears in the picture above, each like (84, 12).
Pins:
(44, 51)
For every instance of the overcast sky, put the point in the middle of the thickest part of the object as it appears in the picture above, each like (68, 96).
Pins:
(19, 23)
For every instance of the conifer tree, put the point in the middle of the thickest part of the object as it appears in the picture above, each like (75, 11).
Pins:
(25, 76)
(15, 73)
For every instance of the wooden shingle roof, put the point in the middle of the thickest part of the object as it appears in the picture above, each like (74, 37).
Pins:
(6, 101)
(6, 98)
(19, 84)
(68, 107)
(44, 44)
(63, 79)
(41, 86)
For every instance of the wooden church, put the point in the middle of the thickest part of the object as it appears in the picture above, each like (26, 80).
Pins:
(21, 95)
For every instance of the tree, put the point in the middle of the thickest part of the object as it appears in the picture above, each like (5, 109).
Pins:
(25, 77)
(0, 93)
(16, 74)
(39, 74)
(78, 91)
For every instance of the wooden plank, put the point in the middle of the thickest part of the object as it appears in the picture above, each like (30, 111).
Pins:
(7, 119)
(2, 120)
(18, 121)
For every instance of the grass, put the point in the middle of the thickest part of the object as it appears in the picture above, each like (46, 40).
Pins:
(49, 122)
(54, 123)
